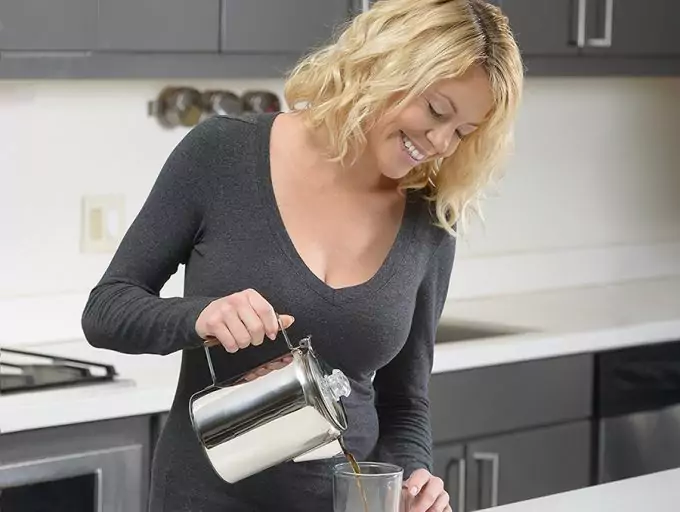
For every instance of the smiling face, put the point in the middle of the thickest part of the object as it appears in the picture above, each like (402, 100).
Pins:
(431, 126)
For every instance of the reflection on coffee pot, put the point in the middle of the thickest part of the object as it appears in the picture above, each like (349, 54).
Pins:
(288, 409)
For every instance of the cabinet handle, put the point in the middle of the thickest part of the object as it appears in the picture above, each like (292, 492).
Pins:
(222, 35)
(495, 473)
(460, 463)
(581, 23)
(606, 41)
(461, 483)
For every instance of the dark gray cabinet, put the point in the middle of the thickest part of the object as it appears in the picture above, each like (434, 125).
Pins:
(265, 38)
(276, 26)
(542, 28)
(597, 37)
(513, 432)
(48, 25)
(158, 26)
(633, 28)
(519, 466)
(450, 465)
(88, 467)
(528, 464)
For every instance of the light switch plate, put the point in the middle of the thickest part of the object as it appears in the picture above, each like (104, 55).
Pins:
(102, 223)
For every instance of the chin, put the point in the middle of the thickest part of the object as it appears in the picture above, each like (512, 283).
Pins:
(395, 171)
(394, 174)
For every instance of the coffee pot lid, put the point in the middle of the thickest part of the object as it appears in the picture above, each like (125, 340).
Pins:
(328, 386)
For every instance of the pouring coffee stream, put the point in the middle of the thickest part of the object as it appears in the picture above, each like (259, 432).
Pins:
(357, 471)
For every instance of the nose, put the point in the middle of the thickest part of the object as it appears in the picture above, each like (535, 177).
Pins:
(444, 139)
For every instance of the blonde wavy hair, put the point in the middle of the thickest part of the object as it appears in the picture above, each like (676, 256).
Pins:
(399, 48)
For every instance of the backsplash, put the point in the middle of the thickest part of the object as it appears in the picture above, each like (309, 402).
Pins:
(596, 168)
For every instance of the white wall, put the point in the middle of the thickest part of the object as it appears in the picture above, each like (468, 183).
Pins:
(591, 194)
(594, 183)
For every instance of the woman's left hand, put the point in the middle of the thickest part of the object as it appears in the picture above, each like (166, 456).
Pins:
(426, 493)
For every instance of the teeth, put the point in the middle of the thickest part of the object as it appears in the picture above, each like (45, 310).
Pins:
(411, 148)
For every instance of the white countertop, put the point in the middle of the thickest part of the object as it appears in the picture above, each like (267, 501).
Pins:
(551, 324)
(657, 492)
(562, 322)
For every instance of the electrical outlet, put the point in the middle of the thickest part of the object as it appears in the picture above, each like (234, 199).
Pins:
(102, 223)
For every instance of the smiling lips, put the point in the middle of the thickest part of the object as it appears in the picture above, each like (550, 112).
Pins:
(412, 149)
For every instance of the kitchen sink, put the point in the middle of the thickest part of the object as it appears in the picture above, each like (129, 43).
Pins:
(449, 331)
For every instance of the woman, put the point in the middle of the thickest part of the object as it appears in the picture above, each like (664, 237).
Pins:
(338, 214)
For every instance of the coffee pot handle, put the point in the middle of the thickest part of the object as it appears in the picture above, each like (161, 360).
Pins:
(206, 349)
(285, 334)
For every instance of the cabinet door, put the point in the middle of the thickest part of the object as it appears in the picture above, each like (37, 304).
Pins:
(159, 25)
(44, 25)
(528, 464)
(633, 28)
(542, 28)
(450, 466)
(274, 26)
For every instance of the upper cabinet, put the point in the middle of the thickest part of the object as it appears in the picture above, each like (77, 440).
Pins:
(631, 28)
(265, 38)
(541, 27)
(48, 25)
(278, 26)
(597, 37)
(158, 25)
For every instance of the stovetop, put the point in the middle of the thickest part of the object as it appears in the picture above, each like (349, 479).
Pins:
(22, 370)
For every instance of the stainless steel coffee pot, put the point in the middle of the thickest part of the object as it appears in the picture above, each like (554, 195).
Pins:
(259, 419)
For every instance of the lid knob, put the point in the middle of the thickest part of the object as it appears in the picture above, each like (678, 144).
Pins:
(338, 384)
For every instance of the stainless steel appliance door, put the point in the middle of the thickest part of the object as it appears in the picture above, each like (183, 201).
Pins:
(638, 444)
(107, 481)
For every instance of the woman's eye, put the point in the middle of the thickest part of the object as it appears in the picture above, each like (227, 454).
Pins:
(433, 111)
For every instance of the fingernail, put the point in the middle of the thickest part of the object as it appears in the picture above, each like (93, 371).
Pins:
(413, 491)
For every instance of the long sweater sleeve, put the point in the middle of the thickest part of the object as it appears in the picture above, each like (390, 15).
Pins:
(124, 311)
(402, 385)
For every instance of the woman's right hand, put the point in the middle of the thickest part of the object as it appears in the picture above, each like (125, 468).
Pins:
(239, 320)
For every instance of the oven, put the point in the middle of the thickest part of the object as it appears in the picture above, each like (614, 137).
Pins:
(96, 466)
(107, 480)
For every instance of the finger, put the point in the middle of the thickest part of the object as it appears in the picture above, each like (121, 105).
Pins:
(236, 327)
(265, 311)
(223, 335)
(417, 481)
(441, 503)
(287, 320)
(428, 495)
(252, 322)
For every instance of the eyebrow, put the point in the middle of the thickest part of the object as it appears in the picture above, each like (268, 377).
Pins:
(454, 107)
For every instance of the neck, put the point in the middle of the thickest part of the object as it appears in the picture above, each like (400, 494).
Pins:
(357, 175)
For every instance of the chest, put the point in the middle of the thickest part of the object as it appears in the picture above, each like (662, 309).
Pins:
(343, 238)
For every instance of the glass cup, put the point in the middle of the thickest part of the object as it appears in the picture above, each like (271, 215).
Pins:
(376, 489)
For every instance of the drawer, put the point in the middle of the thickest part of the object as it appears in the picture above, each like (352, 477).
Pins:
(482, 401)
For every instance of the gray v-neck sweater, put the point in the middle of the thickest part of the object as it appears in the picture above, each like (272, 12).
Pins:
(213, 209)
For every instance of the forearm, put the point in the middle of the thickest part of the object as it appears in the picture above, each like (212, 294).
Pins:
(124, 317)
(405, 434)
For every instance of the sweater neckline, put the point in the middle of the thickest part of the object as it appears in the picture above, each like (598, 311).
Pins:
(394, 258)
